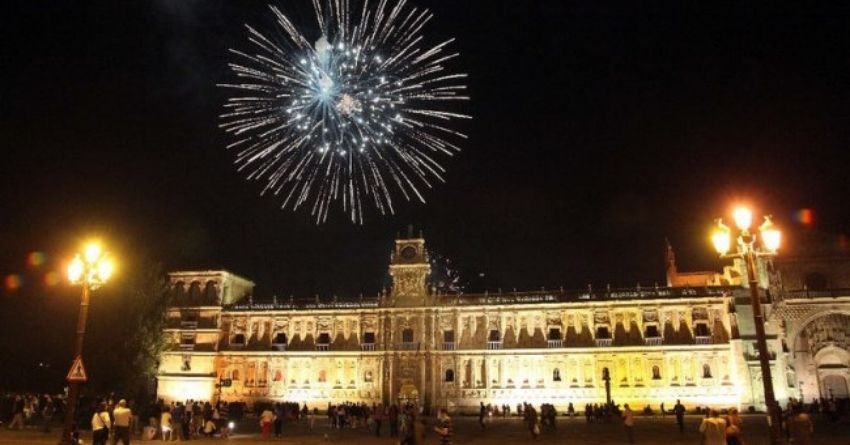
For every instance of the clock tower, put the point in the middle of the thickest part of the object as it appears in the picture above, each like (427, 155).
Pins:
(409, 269)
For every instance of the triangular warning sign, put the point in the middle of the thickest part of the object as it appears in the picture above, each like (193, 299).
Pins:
(77, 373)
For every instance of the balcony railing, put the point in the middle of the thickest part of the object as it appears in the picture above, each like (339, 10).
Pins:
(448, 346)
(702, 340)
(367, 347)
(492, 345)
(408, 346)
(323, 347)
(654, 341)
(555, 343)
(604, 342)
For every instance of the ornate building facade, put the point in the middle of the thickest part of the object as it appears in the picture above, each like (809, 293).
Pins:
(693, 342)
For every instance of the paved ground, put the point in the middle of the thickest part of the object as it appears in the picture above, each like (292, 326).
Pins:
(504, 432)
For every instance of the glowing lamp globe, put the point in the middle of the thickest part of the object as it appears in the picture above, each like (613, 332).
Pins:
(105, 268)
(743, 218)
(75, 270)
(770, 235)
(721, 241)
(92, 252)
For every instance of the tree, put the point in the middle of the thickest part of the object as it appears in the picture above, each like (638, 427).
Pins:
(126, 338)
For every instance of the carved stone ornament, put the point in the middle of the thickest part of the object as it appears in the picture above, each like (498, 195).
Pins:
(650, 316)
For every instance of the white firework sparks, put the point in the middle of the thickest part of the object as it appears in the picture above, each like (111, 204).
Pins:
(361, 114)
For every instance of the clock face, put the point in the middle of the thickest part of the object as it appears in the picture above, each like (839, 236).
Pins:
(408, 252)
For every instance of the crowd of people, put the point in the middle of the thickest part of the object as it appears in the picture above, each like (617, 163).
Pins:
(27, 410)
(116, 421)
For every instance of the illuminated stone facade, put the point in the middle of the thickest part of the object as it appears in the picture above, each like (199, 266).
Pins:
(658, 344)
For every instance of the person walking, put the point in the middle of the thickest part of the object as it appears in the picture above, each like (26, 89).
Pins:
(629, 423)
(121, 416)
(17, 414)
(713, 429)
(100, 425)
(444, 427)
(679, 411)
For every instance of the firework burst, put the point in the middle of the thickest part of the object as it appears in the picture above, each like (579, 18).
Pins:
(355, 111)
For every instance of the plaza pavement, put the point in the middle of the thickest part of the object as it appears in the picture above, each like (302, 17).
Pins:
(648, 430)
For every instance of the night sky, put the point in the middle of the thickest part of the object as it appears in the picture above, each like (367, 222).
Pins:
(598, 131)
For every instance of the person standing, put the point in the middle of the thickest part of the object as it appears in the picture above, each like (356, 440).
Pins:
(713, 429)
(734, 426)
(679, 411)
(166, 425)
(444, 427)
(100, 425)
(801, 428)
(122, 415)
(378, 418)
(266, 421)
(482, 412)
(629, 423)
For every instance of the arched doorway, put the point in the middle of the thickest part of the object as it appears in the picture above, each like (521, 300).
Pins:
(835, 386)
(408, 393)
(821, 363)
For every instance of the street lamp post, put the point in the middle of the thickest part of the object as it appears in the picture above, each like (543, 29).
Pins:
(749, 251)
(90, 270)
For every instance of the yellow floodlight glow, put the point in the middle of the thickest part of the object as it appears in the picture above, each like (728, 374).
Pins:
(743, 218)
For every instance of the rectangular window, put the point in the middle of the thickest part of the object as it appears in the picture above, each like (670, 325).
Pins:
(603, 332)
(369, 338)
(652, 331)
(324, 339)
(448, 336)
(407, 336)
(554, 334)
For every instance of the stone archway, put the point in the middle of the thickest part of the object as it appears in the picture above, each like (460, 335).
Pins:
(833, 367)
(822, 356)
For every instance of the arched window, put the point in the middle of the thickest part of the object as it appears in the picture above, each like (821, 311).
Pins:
(179, 292)
(706, 371)
(556, 375)
(407, 335)
(450, 375)
(210, 293)
(656, 373)
(195, 293)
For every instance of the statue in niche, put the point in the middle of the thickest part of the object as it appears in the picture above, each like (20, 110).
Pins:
(323, 324)
(600, 317)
